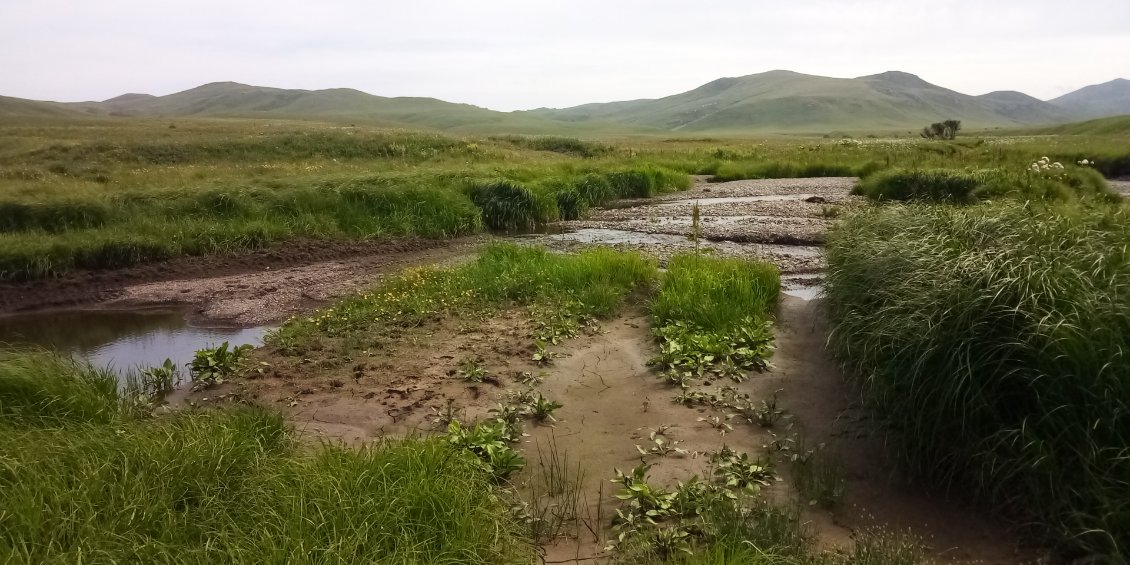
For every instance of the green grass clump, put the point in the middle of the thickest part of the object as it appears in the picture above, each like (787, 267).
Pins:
(557, 144)
(715, 293)
(712, 317)
(646, 181)
(594, 282)
(992, 342)
(949, 186)
(507, 205)
(224, 486)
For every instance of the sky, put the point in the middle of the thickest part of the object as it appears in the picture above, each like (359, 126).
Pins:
(511, 55)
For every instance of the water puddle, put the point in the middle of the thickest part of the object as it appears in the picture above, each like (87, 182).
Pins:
(121, 340)
(805, 292)
(729, 199)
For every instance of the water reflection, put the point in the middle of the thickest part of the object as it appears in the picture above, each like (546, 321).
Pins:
(120, 339)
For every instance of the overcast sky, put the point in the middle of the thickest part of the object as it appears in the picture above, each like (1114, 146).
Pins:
(512, 54)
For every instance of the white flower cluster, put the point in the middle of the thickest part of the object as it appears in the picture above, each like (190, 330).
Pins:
(1085, 162)
(1044, 164)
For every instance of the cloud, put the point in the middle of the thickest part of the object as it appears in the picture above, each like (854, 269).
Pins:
(523, 54)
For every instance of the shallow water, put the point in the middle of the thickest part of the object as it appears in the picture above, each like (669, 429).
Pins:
(805, 292)
(121, 340)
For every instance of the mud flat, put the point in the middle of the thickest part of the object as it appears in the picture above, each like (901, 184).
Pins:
(247, 289)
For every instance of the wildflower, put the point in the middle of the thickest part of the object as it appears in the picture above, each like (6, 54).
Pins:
(1056, 165)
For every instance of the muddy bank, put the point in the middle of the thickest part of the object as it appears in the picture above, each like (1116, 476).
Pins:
(244, 289)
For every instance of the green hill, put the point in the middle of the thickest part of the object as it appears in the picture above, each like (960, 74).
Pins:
(230, 99)
(1098, 100)
(771, 102)
(15, 108)
(1116, 125)
(1025, 109)
(789, 101)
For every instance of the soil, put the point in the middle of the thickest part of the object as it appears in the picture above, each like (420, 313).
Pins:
(243, 289)
(403, 382)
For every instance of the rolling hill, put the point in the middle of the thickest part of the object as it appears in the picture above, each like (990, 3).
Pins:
(234, 100)
(789, 101)
(1098, 100)
(770, 102)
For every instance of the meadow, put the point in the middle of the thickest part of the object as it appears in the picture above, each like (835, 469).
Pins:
(980, 306)
(98, 195)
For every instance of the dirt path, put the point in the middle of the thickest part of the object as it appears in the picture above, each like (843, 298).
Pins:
(245, 289)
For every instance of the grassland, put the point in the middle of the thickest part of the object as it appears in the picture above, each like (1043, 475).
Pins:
(93, 194)
(1013, 315)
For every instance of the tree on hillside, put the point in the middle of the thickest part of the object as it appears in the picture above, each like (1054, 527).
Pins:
(942, 130)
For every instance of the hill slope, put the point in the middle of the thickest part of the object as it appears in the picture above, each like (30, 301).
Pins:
(1116, 125)
(1098, 100)
(21, 108)
(230, 99)
(789, 101)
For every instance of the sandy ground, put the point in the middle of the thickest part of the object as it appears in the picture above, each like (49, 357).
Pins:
(405, 381)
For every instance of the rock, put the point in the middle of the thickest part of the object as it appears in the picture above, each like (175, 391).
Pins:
(816, 200)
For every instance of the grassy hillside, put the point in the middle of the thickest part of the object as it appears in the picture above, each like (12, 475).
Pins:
(1117, 125)
(17, 108)
(1023, 108)
(1098, 100)
(229, 99)
(788, 101)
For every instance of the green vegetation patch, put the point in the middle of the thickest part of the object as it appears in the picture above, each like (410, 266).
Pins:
(88, 480)
(591, 283)
(955, 186)
(712, 316)
(992, 342)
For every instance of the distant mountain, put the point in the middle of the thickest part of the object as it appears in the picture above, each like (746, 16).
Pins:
(789, 101)
(230, 99)
(1022, 108)
(1098, 100)
(20, 108)
(774, 101)
(234, 100)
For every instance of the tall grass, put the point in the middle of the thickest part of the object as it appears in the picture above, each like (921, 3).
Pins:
(715, 293)
(968, 186)
(226, 486)
(992, 341)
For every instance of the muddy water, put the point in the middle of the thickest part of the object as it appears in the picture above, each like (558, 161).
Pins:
(121, 340)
